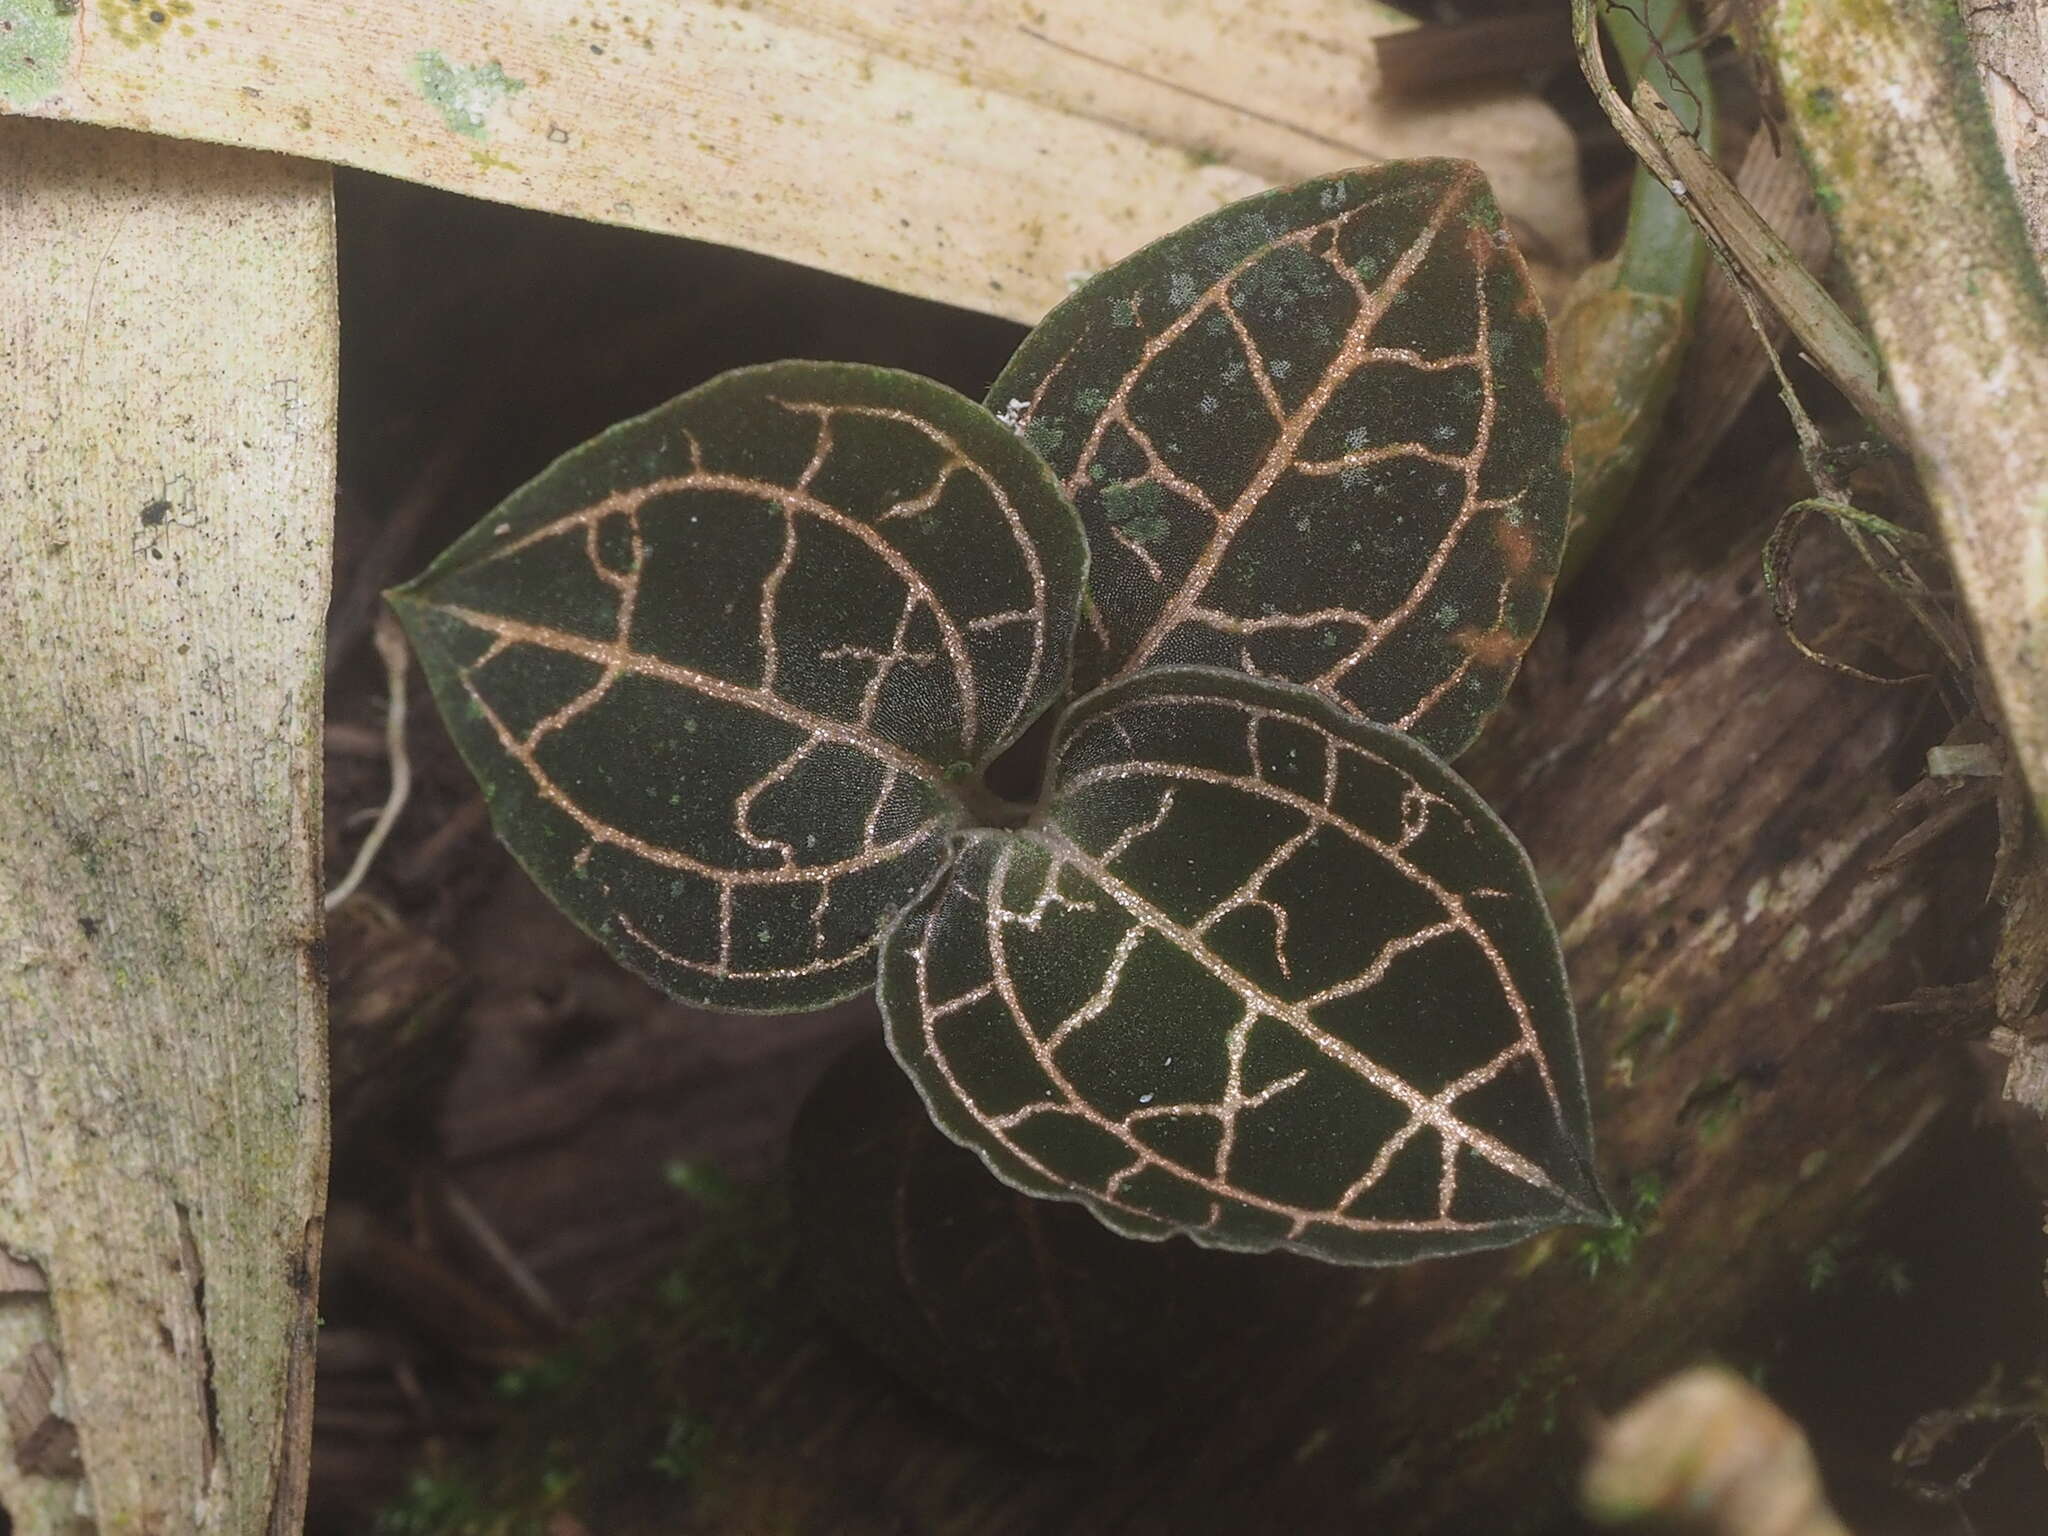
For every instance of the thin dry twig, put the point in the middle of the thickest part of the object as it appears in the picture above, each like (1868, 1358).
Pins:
(1738, 234)
(2011, 1414)
(397, 659)
(1758, 264)
(486, 1236)
(1722, 368)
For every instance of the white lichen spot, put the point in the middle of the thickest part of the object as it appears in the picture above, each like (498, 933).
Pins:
(1718, 933)
(1627, 867)
(1753, 903)
(1906, 107)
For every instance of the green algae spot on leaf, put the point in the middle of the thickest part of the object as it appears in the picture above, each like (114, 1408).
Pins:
(1263, 973)
(1314, 436)
(718, 668)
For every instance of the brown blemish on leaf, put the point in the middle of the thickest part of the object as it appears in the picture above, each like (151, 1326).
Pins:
(1491, 647)
(1517, 547)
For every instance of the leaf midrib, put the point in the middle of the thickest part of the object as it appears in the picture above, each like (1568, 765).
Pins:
(1350, 357)
(616, 658)
(1418, 1104)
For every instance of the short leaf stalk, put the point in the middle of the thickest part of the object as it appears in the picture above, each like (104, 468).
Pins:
(989, 809)
(1661, 251)
(1623, 331)
(1261, 521)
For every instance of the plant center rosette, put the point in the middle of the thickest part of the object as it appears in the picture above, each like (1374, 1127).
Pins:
(1267, 514)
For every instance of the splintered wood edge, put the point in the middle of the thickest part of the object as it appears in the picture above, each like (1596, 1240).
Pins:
(978, 155)
(166, 479)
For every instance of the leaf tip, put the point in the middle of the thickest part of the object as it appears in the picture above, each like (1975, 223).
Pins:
(1582, 1201)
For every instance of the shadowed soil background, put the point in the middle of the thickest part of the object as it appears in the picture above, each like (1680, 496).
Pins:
(527, 1139)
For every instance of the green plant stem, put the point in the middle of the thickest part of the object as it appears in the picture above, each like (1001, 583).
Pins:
(1662, 252)
(1750, 247)
(1623, 332)
(990, 809)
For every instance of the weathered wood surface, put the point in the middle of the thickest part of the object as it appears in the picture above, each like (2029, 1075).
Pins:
(974, 151)
(2010, 44)
(168, 346)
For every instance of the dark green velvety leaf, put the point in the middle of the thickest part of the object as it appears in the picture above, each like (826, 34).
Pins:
(1314, 436)
(1264, 973)
(720, 668)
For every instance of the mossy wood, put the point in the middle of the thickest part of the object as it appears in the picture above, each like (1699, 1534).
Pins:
(1314, 436)
(721, 669)
(1262, 973)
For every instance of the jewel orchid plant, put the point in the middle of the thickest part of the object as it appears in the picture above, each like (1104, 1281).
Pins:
(1260, 522)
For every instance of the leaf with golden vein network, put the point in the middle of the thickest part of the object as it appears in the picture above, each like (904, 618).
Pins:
(1315, 436)
(1263, 973)
(719, 669)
